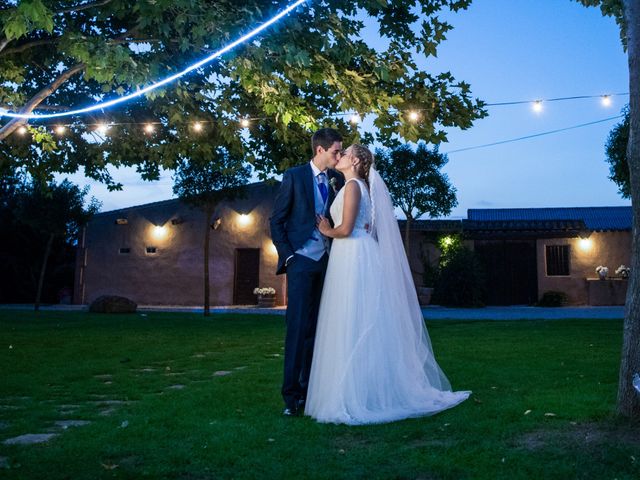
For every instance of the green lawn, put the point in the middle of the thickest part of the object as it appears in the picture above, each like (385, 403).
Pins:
(162, 405)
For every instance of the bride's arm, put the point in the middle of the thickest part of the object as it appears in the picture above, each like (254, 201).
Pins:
(349, 214)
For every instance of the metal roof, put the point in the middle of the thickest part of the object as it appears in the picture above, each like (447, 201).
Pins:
(594, 218)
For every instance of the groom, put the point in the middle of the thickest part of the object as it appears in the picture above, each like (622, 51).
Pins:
(306, 191)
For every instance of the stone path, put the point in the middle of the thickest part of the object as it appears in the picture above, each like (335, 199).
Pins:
(99, 401)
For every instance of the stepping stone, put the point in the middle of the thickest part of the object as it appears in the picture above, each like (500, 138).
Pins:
(9, 407)
(109, 402)
(105, 376)
(198, 355)
(176, 387)
(30, 438)
(221, 373)
(106, 412)
(240, 368)
(4, 462)
(71, 423)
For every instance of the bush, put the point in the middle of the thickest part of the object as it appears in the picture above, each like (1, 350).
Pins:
(553, 298)
(460, 281)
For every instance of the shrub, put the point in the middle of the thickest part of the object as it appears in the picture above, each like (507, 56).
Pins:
(553, 298)
(460, 281)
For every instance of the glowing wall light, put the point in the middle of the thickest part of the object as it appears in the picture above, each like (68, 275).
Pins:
(244, 220)
(159, 233)
(585, 244)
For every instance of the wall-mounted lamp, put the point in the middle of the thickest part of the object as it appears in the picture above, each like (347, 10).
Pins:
(121, 221)
(159, 232)
(244, 219)
(585, 244)
(216, 223)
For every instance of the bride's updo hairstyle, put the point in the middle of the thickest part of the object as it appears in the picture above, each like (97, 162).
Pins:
(365, 160)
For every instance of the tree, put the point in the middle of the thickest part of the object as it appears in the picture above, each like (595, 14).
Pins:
(53, 210)
(299, 75)
(204, 182)
(627, 15)
(616, 150)
(415, 182)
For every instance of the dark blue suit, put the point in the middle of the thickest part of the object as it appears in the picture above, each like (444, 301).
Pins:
(292, 224)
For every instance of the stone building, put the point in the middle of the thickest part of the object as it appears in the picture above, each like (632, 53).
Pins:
(153, 253)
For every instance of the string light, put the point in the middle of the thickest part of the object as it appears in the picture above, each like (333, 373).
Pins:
(244, 123)
(197, 127)
(149, 128)
(153, 86)
(22, 130)
(355, 119)
(414, 116)
(102, 128)
(606, 100)
(537, 106)
(60, 129)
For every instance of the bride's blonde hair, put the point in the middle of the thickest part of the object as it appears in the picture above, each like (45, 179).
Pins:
(365, 157)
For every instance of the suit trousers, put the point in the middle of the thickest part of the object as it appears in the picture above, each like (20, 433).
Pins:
(305, 279)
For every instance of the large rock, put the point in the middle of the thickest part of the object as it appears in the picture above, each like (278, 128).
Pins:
(113, 304)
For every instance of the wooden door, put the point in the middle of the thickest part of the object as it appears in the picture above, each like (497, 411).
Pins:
(511, 271)
(247, 275)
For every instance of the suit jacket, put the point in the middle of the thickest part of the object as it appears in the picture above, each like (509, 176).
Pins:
(294, 216)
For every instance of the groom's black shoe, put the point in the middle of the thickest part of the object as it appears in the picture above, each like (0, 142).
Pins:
(290, 412)
(300, 405)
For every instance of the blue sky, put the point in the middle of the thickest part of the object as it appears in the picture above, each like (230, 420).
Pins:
(510, 50)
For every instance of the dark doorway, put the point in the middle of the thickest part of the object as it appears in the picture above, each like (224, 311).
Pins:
(247, 275)
(511, 271)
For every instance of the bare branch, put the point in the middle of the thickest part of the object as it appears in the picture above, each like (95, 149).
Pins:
(28, 45)
(83, 7)
(13, 124)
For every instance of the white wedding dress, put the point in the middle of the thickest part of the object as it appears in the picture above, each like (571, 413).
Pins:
(373, 360)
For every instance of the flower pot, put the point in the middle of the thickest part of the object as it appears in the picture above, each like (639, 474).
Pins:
(266, 301)
(424, 295)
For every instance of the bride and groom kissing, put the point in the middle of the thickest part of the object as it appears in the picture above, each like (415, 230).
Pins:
(356, 349)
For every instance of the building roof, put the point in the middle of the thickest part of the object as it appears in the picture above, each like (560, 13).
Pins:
(594, 218)
(250, 189)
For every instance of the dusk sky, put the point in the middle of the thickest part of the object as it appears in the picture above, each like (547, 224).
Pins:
(510, 50)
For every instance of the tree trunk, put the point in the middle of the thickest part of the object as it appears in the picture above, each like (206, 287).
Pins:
(407, 234)
(47, 252)
(207, 237)
(628, 397)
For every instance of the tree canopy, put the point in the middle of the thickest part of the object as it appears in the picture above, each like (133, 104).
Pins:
(616, 150)
(302, 73)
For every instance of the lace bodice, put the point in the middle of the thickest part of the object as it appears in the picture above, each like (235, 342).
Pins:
(363, 220)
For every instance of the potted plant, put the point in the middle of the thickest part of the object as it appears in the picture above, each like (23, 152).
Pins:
(623, 271)
(266, 296)
(602, 272)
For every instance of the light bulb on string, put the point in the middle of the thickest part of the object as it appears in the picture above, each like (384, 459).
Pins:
(537, 106)
(414, 116)
(197, 127)
(244, 123)
(102, 128)
(149, 128)
(22, 130)
(605, 100)
(355, 118)
(60, 129)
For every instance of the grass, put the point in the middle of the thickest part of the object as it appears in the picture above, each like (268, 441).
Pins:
(179, 419)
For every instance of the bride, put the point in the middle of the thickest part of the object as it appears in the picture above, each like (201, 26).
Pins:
(373, 360)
